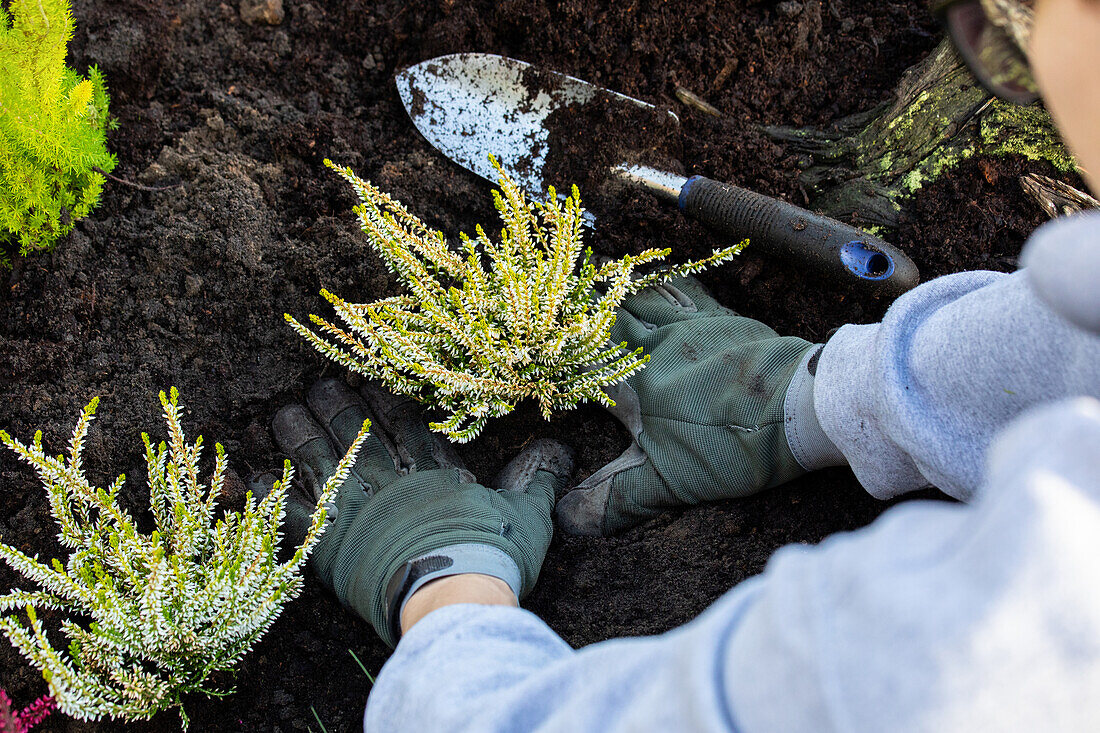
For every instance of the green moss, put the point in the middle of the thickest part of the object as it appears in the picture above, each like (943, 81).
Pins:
(931, 167)
(913, 180)
(872, 163)
(1007, 129)
(906, 118)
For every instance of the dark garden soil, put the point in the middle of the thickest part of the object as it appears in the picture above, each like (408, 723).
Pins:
(187, 287)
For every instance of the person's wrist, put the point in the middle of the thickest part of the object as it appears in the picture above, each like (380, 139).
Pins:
(476, 588)
(464, 558)
(809, 444)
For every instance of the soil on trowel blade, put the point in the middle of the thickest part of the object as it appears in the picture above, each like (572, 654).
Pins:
(188, 286)
(586, 141)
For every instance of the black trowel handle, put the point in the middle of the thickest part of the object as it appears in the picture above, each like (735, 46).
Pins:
(780, 229)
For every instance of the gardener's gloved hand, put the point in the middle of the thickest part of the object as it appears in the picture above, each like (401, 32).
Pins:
(710, 416)
(411, 512)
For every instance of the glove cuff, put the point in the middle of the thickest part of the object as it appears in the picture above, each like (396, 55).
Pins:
(469, 557)
(807, 441)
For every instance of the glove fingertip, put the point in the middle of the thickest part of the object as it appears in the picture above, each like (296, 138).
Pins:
(294, 427)
(582, 511)
(262, 483)
(542, 455)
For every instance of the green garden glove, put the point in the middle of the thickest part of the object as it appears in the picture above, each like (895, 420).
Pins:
(710, 417)
(410, 512)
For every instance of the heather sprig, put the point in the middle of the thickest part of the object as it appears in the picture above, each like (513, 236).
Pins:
(150, 617)
(475, 340)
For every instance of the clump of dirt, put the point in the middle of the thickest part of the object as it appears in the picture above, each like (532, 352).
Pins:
(187, 287)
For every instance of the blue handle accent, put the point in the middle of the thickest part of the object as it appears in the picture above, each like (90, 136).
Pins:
(865, 262)
(686, 188)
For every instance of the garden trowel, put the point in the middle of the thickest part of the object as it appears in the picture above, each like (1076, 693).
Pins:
(471, 105)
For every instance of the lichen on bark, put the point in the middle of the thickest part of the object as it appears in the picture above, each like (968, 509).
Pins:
(866, 165)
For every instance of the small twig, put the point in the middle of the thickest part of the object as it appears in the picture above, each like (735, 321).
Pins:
(138, 186)
(694, 100)
(960, 126)
(720, 80)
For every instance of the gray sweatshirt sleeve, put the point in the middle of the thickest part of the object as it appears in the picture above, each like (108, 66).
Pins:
(937, 617)
(916, 399)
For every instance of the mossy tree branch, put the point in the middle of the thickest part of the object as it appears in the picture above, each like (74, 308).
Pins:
(866, 165)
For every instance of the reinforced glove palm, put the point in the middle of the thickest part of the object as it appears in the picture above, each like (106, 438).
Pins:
(706, 416)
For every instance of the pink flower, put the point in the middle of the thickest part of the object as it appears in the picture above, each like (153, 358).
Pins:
(21, 722)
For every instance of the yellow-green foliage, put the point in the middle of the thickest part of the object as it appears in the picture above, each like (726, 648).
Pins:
(475, 341)
(53, 127)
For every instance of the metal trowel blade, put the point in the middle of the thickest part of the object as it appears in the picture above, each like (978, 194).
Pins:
(471, 105)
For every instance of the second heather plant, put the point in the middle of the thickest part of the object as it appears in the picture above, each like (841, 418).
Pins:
(151, 617)
(475, 341)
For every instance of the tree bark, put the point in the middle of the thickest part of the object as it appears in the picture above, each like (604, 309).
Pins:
(864, 166)
(1056, 198)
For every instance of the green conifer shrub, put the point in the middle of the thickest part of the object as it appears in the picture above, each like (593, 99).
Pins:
(150, 617)
(53, 126)
(475, 341)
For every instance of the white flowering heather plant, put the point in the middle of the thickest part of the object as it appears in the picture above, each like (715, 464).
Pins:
(473, 340)
(150, 617)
